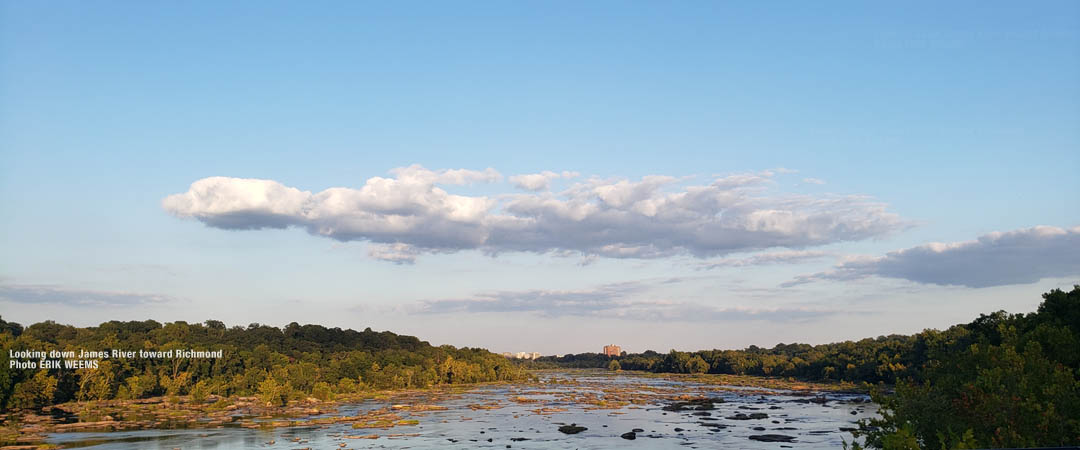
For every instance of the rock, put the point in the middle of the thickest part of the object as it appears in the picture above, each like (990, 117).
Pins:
(697, 404)
(751, 416)
(758, 428)
(677, 429)
(519, 439)
(571, 429)
(772, 438)
(638, 430)
(630, 435)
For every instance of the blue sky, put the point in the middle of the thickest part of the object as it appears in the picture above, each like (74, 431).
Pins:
(935, 123)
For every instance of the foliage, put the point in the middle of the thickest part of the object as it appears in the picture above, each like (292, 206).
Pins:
(996, 386)
(200, 391)
(274, 393)
(279, 364)
(697, 365)
(36, 392)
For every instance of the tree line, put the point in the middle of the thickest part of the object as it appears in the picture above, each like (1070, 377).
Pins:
(276, 364)
(1003, 380)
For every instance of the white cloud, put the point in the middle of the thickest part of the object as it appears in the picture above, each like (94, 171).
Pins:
(995, 259)
(656, 216)
(397, 253)
(813, 181)
(539, 181)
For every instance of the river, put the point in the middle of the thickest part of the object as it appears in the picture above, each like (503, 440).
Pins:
(667, 412)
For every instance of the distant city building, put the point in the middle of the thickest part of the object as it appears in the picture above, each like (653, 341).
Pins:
(522, 355)
(612, 350)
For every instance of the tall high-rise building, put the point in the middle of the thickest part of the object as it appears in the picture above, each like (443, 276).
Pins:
(612, 350)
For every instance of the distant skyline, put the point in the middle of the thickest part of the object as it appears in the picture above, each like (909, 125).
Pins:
(540, 177)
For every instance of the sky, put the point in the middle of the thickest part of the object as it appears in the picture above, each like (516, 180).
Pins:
(540, 176)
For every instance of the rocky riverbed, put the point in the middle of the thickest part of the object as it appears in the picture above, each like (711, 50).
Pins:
(562, 409)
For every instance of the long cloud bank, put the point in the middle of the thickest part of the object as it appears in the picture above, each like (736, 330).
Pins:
(409, 214)
(48, 294)
(994, 259)
(613, 301)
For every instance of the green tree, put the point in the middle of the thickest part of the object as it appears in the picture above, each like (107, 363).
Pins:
(36, 392)
(991, 387)
(697, 365)
(273, 393)
(200, 391)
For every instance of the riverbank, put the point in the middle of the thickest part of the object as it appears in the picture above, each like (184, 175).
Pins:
(724, 380)
(28, 428)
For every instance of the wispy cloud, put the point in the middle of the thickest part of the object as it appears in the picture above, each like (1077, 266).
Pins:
(654, 217)
(813, 181)
(48, 294)
(608, 301)
(784, 257)
(995, 259)
(539, 181)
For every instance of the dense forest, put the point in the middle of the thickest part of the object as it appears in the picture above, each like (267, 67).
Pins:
(276, 364)
(1003, 380)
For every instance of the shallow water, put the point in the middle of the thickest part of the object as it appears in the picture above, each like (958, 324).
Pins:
(516, 424)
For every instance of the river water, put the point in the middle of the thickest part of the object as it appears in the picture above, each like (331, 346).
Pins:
(529, 415)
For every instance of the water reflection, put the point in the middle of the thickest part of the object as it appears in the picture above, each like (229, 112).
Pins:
(529, 417)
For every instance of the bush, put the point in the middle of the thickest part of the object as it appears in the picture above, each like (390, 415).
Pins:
(36, 392)
(200, 392)
(322, 391)
(274, 393)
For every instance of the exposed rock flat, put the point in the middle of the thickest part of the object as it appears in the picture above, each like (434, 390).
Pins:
(751, 416)
(772, 438)
(697, 404)
(571, 429)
